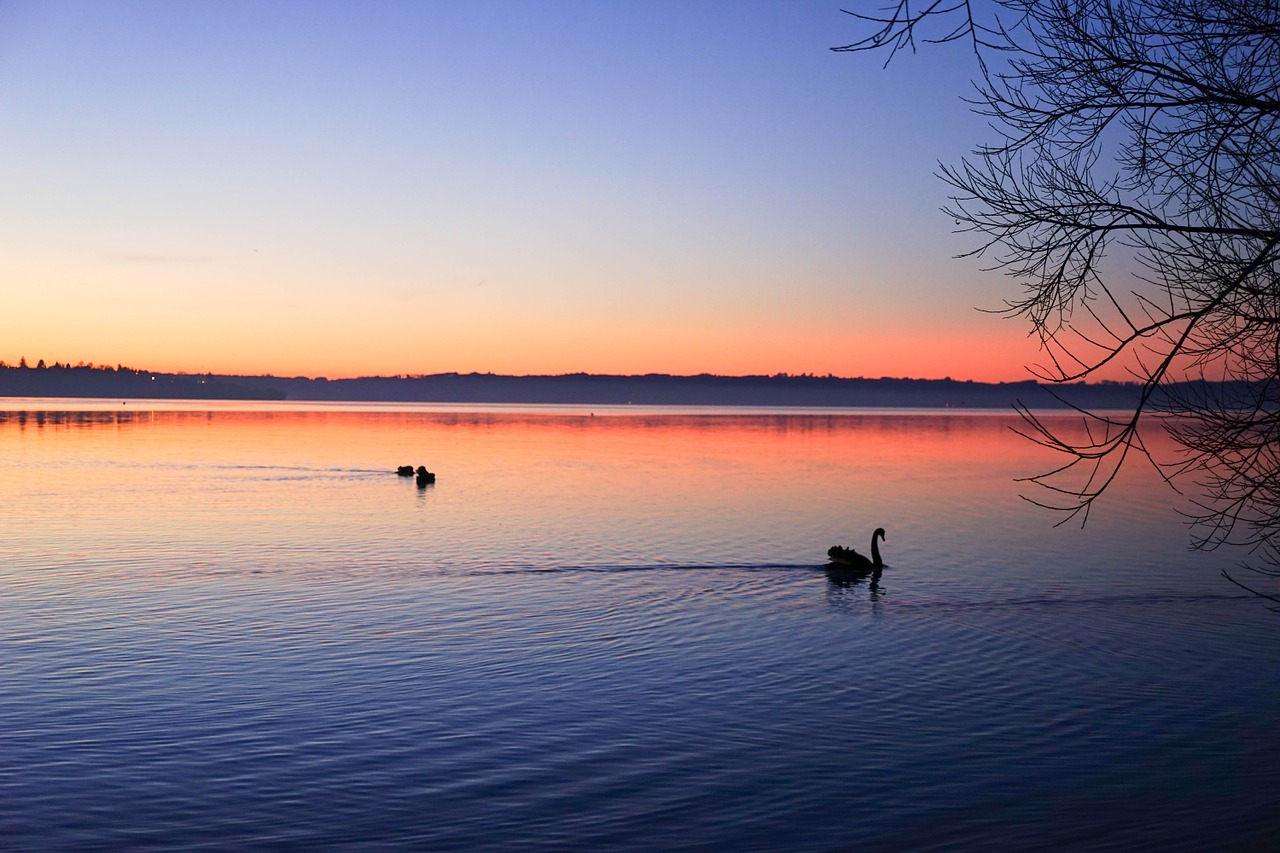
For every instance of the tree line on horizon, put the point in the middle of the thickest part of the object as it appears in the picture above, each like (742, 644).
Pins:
(781, 375)
(80, 365)
(804, 390)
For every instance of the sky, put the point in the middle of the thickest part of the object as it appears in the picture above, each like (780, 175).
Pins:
(314, 188)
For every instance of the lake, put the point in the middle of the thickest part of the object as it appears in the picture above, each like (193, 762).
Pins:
(232, 625)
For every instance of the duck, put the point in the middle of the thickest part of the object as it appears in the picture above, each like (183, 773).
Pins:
(852, 559)
(405, 470)
(425, 477)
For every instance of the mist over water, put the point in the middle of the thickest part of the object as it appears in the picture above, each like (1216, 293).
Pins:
(609, 629)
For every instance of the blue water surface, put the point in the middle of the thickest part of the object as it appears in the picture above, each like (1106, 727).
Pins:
(228, 629)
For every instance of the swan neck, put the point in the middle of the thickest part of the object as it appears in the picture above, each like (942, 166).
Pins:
(875, 551)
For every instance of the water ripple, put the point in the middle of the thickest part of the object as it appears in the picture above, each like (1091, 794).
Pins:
(245, 633)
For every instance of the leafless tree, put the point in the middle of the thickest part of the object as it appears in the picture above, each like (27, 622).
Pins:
(1132, 188)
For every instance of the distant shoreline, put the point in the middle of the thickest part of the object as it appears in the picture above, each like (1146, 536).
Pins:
(781, 390)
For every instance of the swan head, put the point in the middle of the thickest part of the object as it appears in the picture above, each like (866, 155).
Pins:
(879, 532)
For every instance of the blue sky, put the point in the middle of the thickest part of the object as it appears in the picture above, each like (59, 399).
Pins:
(326, 188)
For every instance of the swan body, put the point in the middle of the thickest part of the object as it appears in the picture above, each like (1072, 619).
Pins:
(852, 559)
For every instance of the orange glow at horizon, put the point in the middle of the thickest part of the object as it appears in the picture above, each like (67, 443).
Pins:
(510, 201)
(395, 347)
(674, 361)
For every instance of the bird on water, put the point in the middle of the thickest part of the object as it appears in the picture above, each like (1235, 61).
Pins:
(852, 559)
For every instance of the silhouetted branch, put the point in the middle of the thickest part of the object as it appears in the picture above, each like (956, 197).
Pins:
(1137, 141)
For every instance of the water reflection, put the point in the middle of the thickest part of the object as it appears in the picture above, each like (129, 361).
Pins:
(844, 587)
(41, 418)
(847, 578)
(603, 633)
(616, 487)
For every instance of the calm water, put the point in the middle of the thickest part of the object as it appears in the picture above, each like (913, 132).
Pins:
(606, 631)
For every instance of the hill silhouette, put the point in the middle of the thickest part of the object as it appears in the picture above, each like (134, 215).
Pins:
(576, 388)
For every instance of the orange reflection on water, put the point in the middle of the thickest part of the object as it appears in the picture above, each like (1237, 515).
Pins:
(914, 443)
(544, 486)
(865, 452)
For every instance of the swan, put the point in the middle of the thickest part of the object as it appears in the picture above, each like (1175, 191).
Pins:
(425, 477)
(854, 560)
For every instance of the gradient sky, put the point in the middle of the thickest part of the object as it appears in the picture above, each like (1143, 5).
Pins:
(342, 188)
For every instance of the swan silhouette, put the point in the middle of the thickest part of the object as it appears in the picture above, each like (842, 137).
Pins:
(847, 557)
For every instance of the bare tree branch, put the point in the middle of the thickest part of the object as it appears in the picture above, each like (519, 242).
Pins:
(1137, 141)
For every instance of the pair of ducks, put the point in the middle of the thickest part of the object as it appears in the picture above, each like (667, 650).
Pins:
(851, 560)
(424, 476)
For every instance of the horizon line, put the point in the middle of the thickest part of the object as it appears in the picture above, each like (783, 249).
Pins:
(82, 365)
